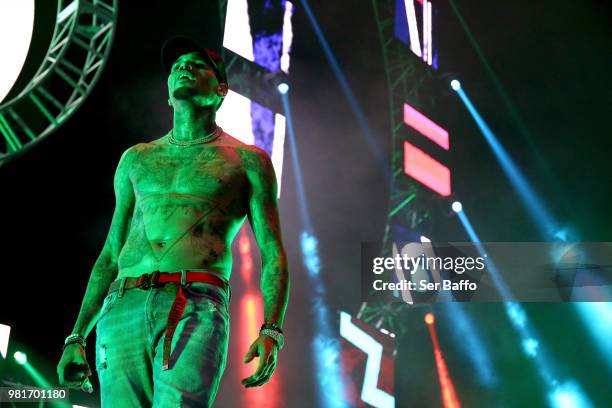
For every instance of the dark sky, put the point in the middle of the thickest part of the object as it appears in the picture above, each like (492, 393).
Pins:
(552, 57)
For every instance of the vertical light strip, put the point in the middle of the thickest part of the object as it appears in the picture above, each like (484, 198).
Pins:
(5, 332)
(234, 116)
(237, 35)
(426, 126)
(278, 147)
(287, 37)
(16, 28)
(413, 29)
(430, 32)
(425, 30)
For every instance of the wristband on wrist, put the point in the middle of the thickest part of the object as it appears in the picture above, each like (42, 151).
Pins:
(75, 338)
(271, 326)
(275, 335)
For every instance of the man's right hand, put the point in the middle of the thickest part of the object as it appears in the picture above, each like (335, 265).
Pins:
(73, 368)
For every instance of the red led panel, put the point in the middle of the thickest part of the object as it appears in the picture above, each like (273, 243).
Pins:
(427, 170)
(425, 126)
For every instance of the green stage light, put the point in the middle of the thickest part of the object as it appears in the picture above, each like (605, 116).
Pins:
(20, 357)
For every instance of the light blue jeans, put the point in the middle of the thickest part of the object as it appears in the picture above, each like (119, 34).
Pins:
(129, 347)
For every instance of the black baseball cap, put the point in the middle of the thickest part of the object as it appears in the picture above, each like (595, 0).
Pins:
(174, 47)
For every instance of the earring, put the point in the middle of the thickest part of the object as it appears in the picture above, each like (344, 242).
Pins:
(169, 103)
(223, 89)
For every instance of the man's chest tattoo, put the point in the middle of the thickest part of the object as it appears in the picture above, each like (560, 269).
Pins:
(208, 172)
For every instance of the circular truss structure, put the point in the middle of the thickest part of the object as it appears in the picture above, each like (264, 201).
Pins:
(80, 46)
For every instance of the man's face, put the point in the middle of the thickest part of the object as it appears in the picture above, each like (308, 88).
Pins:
(191, 77)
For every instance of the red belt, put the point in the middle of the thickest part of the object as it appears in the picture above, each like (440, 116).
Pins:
(178, 306)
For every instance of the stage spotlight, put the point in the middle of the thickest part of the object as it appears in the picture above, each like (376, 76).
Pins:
(283, 88)
(20, 357)
(456, 85)
(457, 206)
(429, 318)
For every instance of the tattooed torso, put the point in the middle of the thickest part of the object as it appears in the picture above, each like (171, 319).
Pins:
(189, 204)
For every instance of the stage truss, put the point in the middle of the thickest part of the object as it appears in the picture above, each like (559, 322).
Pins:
(410, 203)
(79, 49)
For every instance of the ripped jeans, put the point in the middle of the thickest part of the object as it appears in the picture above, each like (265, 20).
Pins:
(129, 344)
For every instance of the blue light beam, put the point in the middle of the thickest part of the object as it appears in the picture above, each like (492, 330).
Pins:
(497, 279)
(468, 338)
(295, 163)
(560, 395)
(325, 345)
(545, 222)
(346, 90)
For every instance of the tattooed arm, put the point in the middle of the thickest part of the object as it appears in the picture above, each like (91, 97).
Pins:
(263, 215)
(105, 269)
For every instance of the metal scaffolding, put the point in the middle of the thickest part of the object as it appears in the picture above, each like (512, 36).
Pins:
(409, 80)
(81, 42)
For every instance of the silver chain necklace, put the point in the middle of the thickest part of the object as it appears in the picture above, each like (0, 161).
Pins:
(204, 139)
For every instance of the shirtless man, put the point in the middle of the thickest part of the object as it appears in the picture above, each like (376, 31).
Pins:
(180, 200)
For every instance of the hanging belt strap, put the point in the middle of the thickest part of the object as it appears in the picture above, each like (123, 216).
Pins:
(180, 302)
(176, 312)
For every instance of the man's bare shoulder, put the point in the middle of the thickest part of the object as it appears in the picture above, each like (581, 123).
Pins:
(146, 145)
(259, 170)
(130, 154)
(228, 140)
(253, 158)
(132, 151)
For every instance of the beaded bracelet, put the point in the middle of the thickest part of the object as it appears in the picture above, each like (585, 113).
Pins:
(75, 338)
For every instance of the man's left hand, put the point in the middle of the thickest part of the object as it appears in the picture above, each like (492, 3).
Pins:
(265, 348)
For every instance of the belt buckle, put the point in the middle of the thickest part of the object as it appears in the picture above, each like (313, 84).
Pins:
(147, 281)
(153, 281)
(144, 281)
